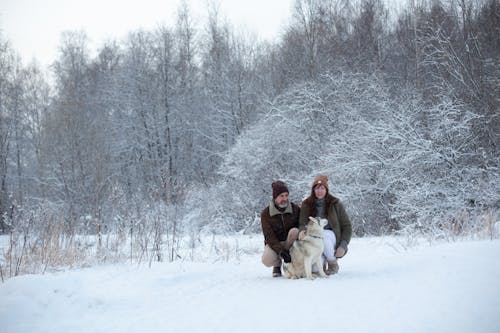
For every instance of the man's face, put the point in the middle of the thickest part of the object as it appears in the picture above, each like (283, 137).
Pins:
(282, 200)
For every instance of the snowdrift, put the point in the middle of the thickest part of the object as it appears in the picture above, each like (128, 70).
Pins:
(381, 287)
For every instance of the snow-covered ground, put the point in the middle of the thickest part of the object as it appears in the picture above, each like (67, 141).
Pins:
(447, 287)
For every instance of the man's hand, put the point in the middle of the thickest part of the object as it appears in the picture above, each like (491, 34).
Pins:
(286, 256)
(302, 234)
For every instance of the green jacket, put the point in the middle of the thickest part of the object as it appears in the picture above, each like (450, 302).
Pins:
(338, 221)
(276, 224)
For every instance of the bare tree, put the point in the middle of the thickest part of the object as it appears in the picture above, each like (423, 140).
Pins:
(36, 104)
(370, 34)
(7, 60)
(68, 129)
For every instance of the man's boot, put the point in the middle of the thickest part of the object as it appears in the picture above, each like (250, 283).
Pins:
(333, 267)
(277, 271)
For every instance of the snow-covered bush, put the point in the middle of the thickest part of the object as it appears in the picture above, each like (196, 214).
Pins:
(394, 160)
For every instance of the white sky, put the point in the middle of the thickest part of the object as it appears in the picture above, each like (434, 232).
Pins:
(33, 27)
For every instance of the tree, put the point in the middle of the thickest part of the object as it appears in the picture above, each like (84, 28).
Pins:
(6, 123)
(370, 34)
(188, 106)
(19, 124)
(69, 132)
(36, 103)
(224, 93)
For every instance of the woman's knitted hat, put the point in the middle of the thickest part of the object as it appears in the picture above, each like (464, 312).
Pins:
(320, 180)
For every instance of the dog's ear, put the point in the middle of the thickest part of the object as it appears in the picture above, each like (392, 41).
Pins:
(312, 219)
(323, 222)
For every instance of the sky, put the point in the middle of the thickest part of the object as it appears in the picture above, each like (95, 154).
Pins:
(33, 27)
(382, 286)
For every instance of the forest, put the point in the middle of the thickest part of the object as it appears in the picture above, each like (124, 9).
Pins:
(179, 132)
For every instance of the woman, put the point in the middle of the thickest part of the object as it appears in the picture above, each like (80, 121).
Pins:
(337, 233)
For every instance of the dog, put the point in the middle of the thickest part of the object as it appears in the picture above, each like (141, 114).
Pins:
(307, 252)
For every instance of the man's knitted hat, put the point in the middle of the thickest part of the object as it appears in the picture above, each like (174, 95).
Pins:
(278, 188)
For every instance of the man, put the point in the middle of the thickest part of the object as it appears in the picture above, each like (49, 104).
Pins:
(280, 221)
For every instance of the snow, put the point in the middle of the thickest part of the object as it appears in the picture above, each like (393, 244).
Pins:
(381, 287)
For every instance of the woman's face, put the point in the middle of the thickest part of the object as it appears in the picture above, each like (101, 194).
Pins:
(320, 191)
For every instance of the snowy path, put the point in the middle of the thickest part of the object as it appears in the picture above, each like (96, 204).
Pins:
(452, 287)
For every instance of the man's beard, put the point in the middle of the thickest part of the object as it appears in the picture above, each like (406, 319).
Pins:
(282, 205)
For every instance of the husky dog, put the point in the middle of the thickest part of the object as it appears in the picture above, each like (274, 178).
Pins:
(307, 252)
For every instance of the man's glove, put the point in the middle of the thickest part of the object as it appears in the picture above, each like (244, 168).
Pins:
(285, 254)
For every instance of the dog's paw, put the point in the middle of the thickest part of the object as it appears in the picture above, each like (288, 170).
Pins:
(322, 274)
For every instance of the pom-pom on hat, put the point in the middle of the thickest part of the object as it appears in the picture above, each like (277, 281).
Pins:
(278, 188)
(320, 180)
